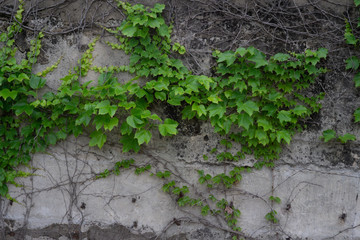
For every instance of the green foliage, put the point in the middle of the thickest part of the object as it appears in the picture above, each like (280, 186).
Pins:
(347, 137)
(328, 135)
(24, 128)
(253, 100)
(352, 63)
(271, 216)
(331, 134)
(275, 199)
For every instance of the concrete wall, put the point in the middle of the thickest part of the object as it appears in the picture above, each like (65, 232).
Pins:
(318, 183)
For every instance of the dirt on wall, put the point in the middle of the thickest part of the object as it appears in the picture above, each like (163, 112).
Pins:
(317, 182)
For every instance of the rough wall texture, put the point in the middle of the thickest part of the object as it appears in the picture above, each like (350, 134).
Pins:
(317, 182)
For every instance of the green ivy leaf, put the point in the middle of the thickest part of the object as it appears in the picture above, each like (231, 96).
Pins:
(357, 115)
(125, 129)
(281, 57)
(143, 136)
(105, 108)
(164, 31)
(357, 79)
(265, 124)
(245, 121)
(284, 116)
(161, 96)
(134, 121)
(216, 110)
(249, 107)
(23, 106)
(357, 2)
(228, 57)
(158, 8)
(262, 136)
(352, 63)
(347, 137)
(200, 109)
(129, 30)
(205, 81)
(155, 23)
(3, 189)
(241, 51)
(322, 52)
(259, 59)
(51, 138)
(283, 135)
(5, 93)
(328, 135)
(168, 128)
(111, 123)
(187, 113)
(97, 138)
(299, 110)
(37, 82)
(129, 143)
(84, 119)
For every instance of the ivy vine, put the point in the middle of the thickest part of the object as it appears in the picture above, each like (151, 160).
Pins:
(252, 99)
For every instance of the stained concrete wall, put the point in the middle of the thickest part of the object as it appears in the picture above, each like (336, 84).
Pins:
(317, 182)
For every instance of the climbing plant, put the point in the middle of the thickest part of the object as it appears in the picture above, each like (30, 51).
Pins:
(353, 62)
(251, 100)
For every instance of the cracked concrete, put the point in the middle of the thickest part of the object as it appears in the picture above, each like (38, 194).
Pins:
(318, 183)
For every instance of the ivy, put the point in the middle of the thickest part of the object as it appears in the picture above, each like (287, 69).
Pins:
(252, 100)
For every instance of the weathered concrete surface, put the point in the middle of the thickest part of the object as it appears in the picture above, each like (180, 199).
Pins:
(318, 182)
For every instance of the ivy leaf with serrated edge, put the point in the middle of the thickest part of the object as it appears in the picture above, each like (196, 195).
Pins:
(84, 119)
(228, 57)
(216, 109)
(322, 52)
(161, 96)
(245, 121)
(205, 81)
(158, 8)
(284, 116)
(143, 136)
(262, 136)
(352, 63)
(299, 110)
(125, 129)
(328, 135)
(249, 107)
(200, 109)
(281, 57)
(346, 137)
(111, 123)
(154, 23)
(97, 138)
(265, 124)
(357, 115)
(168, 128)
(187, 113)
(105, 108)
(357, 79)
(129, 143)
(241, 51)
(357, 2)
(283, 135)
(259, 59)
(214, 98)
(164, 31)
